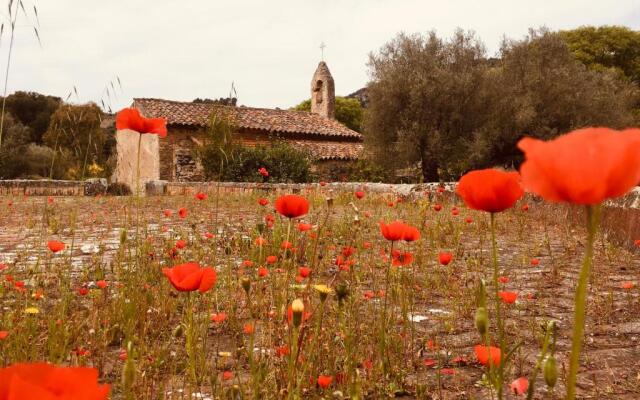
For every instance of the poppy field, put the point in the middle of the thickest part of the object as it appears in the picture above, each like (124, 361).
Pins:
(475, 290)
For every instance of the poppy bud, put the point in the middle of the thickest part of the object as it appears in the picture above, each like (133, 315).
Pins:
(329, 202)
(550, 371)
(177, 332)
(297, 307)
(123, 236)
(246, 284)
(482, 320)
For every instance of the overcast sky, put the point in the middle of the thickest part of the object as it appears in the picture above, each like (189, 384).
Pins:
(183, 49)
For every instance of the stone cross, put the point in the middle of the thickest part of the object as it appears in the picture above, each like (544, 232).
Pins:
(322, 47)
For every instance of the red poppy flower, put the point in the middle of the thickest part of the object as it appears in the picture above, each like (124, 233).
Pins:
(4, 335)
(55, 246)
(503, 279)
(282, 351)
(468, 220)
(302, 227)
(168, 213)
(272, 259)
(519, 386)
(490, 190)
(130, 118)
(444, 257)
(429, 362)
(401, 258)
(324, 381)
(304, 272)
(260, 241)
(585, 166)
(535, 261)
(359, 194)
(102, 284)
(637, 242)
(248, 328)
(323, 183)
(263, 171)
(437, 207)
(218, 318)
(262, 201)
(627, 285)
(181, 244)
(262, 272)
(83, 291)
(292, 206)
(190, 276)
(487, 355)
(201, 196)
(227, 375)
(48, 382)
(525, 207)
(398, 230)
(182, 213)
(508, 297)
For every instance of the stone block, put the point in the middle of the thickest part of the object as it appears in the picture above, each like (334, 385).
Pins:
(156, 188)
(127, 159)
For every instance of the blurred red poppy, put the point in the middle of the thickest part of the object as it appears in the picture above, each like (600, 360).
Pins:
(359, 194)
(218, 318)
(304, 272)
(302, 227)
(263, 171)
(55, 246)
(508, 297)
(487, 355)
(130, 118)
(190, 276)
(262, 201)
(437, 207)
(586, 166)
(324, 381)
(400, 259)
(45, 381)
(201, 196)
(292, 206)
(490, 190)
(519, 386)
(182, 213)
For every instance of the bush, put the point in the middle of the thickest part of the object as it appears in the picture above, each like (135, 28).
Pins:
(118, 189)
(366, 170)
(284, 163)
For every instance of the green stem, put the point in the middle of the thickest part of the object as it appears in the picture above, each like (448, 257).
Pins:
(496, 272)
(593, 213)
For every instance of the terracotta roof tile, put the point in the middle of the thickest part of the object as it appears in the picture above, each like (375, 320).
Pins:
(326, 150)
(271, 120)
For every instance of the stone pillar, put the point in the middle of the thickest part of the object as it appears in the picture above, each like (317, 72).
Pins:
(127, 159)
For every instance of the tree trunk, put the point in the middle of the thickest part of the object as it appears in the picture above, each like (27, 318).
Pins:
(429, 168)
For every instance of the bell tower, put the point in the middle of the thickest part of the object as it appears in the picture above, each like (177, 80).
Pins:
(323, 92)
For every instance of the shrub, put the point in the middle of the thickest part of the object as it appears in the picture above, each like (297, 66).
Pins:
(118, 189)
(284, 163)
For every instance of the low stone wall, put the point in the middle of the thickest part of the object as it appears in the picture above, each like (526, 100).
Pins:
(21, 187)
(191, 188)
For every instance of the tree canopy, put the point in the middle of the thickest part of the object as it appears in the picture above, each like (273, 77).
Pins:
(606, 47)
(446, 106)
(348, 111)
(32, 110)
